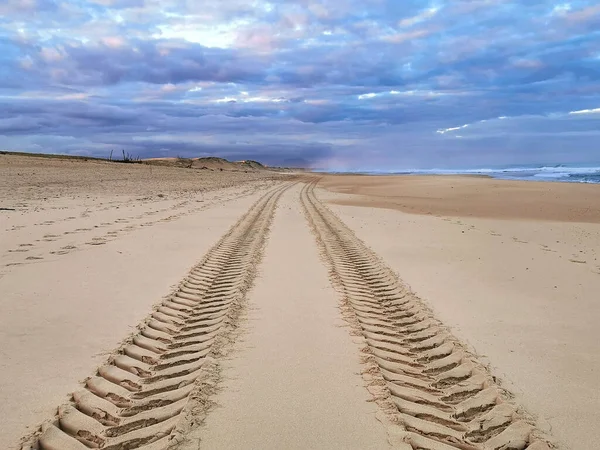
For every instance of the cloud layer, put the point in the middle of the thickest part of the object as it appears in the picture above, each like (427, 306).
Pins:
(340, 84)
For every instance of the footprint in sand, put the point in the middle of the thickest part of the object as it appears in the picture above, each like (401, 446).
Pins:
(31, 258)
(64, 250)
(578, 261)
(97, 241)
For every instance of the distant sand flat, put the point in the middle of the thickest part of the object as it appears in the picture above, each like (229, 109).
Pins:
(149, 306)
(472, 196)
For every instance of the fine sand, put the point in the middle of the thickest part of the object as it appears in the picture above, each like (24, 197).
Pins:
(86, 249)
(472, 196)
(522, 289)
(153, 307)
(295, 370)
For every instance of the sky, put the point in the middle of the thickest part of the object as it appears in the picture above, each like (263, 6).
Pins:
(333, 84)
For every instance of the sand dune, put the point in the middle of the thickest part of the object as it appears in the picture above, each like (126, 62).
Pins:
(254, 347)
(211, 163)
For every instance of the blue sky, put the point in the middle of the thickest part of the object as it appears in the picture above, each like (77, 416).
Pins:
(340, 84)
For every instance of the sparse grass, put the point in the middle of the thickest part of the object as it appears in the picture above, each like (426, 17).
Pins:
(185, 162)
(127, 158)
(179, 161)
(52, 156)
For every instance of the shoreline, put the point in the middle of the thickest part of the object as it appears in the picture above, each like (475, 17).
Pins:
(581, 174)
(461, 175)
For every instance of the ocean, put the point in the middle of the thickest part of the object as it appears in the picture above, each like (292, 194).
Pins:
(543, 173)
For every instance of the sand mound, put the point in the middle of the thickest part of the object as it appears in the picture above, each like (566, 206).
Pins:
(214, 163)
(211, 163)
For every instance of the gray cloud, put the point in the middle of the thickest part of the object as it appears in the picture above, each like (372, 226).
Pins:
(337, 83)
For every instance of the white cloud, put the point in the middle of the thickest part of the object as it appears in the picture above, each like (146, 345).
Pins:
(369, 95)
(317, 101)
(561, 9)
(244, 98)
(424, 15)
(586, 111)
(447, 130)
(213, 35)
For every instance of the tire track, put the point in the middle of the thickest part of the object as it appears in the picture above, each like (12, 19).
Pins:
(147, 393)
(439, 394)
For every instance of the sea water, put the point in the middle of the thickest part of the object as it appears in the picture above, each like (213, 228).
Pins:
(541, 173)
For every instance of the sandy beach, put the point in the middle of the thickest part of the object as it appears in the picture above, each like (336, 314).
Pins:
(512, 267)
(86, 250)
(159, 307)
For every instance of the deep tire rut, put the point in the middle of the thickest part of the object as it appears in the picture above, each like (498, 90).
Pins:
(440, 396)
(141, 397)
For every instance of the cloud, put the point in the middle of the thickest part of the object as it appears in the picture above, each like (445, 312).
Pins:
(586, 111)
(324, 82)
(587, 14)
(421, 17)
(448, 130)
